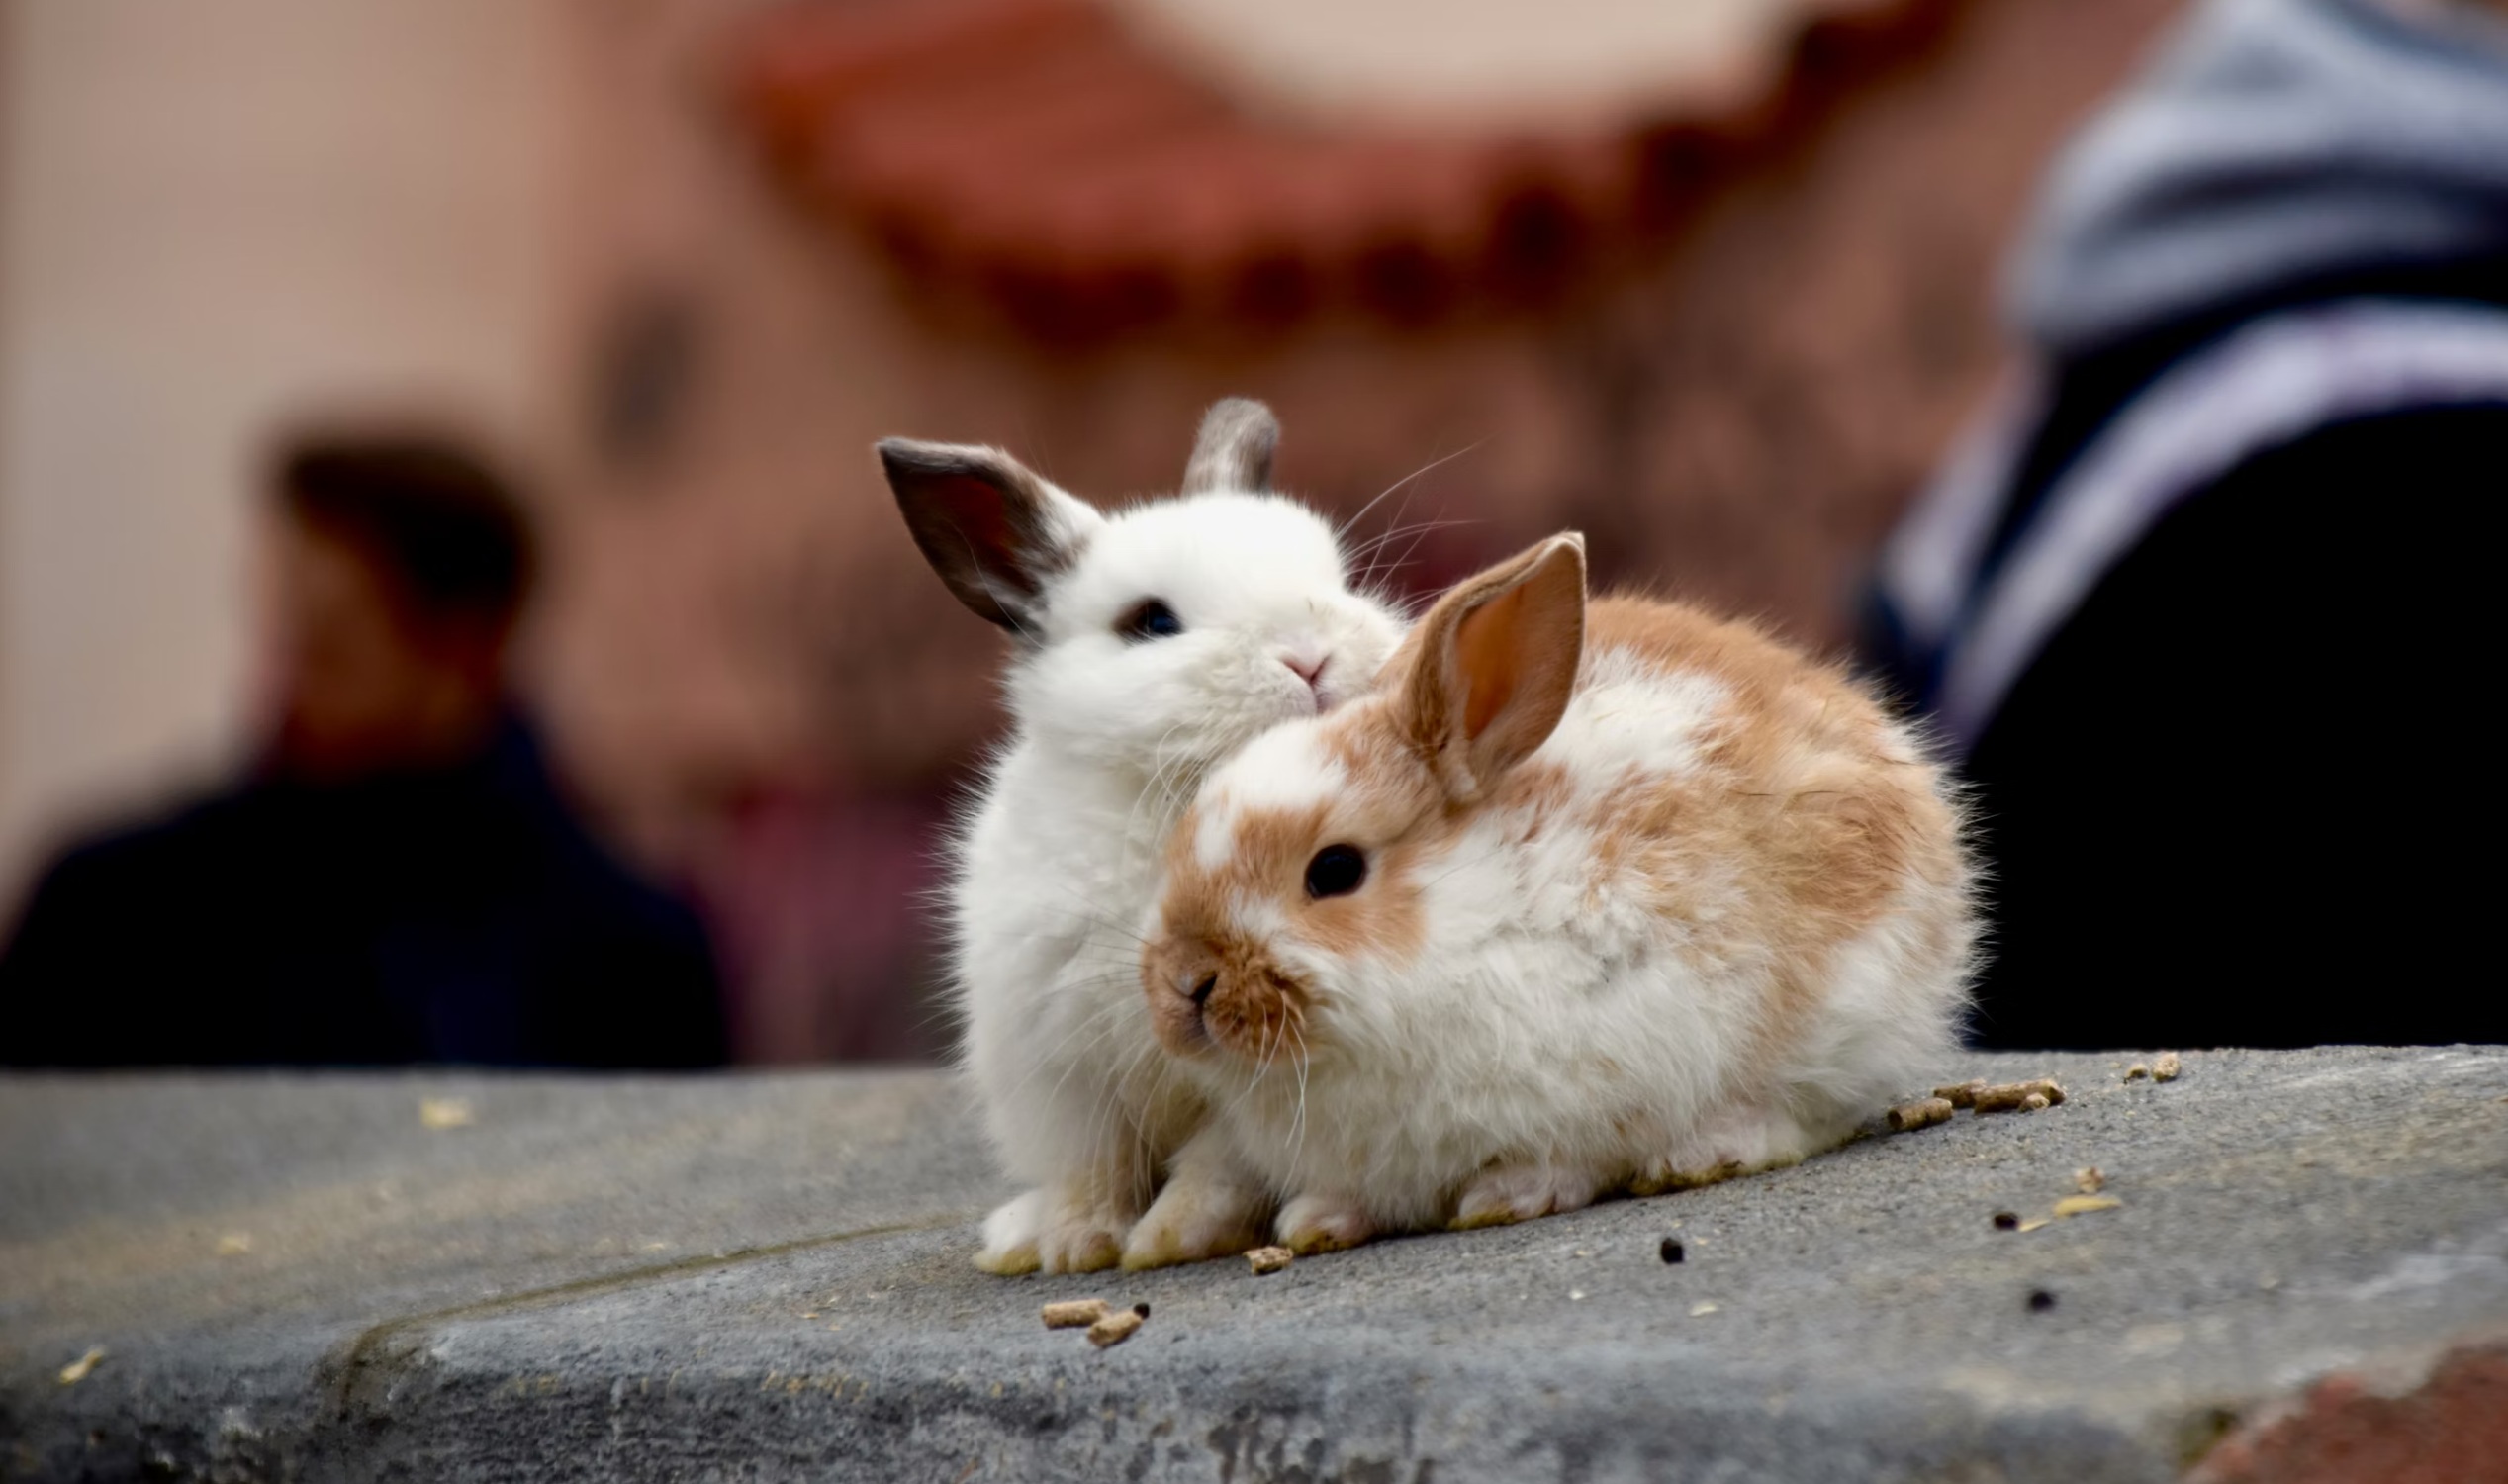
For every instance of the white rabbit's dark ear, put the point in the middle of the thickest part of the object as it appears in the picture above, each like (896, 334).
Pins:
(995, 532)
(1233, 451)
(1495, 664)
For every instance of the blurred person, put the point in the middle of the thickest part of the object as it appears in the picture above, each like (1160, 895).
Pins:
(396, 878)
(2204, 605)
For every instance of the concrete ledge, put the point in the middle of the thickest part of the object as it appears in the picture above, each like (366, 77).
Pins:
(766, 1278)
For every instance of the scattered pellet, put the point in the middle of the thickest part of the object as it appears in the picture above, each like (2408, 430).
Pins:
(2084, 1205)
(1701, 1311)
(2034, 1102)
(1142, 1309)
(2006, 1221)
(2090, 1181)
(1072, 1314)
(1269, 1260)
(2031, 1224)
(1923, 1113)
(78, 1370)
(2041, 1300)
(2137, 1071)
(1116, 1327)
(445, 1113)
(234, 1245)
(2165, 1067)
(1671, 1251)
(1961, 1094)
(2011, 1097)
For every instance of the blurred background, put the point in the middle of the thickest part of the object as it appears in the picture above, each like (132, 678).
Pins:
(1714, 281)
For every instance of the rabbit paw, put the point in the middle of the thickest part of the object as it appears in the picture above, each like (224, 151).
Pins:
(1506, 1193)
(1010, 1247)
(1736, 1142)
(1194, 1219)
(1036, 1233)
(1314, 1224)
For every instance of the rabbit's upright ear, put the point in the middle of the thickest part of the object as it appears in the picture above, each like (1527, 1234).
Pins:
(993, 530)
(1495, 663)
(1233, 451)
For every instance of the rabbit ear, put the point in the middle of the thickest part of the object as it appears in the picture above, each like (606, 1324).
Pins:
(1233, 451)
(1496, 664)
(995, 532)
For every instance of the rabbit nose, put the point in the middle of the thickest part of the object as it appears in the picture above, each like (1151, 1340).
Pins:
(1307, 668)
(1200, 994)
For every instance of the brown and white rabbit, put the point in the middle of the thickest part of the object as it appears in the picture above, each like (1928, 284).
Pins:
(1582, 898)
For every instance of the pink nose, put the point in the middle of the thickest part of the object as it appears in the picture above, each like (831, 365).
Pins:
(1308, 671)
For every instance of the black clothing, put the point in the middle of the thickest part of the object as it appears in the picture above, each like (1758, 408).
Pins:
(450, 914)
(2229, 803)
(2221, 803)
(2203, 612)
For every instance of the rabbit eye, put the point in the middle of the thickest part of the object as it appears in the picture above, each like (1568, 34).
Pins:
(1149, 618)
(1335, 871)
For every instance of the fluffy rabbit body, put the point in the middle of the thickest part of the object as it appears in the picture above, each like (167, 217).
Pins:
(1581, 899)
(1151, 642)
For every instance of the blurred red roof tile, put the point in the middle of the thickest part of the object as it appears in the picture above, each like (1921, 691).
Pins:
(1037, 156)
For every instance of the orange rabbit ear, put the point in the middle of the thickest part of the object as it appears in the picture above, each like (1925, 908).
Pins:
(1495, 664)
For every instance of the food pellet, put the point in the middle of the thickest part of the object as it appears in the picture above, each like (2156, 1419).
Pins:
(2084, 1205)
(1268, 1260)
(2136, 1073)
(1920, 1114)
(2090, 1181)
(2033, 1102)
(2165, 1067)
(2011, 1096)
(2032, 1224)
(1115, 1328)
(2006, 1221)
(1072, 1314)
(1961, 1094)
(78, 1370)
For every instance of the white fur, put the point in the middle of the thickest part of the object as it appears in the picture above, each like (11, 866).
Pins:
(1563, 1032)
(1057, 864)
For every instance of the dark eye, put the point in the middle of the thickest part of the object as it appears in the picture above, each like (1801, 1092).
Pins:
(1335, 871)
(1149, 618)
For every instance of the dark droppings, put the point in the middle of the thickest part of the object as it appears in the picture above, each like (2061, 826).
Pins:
(2006, 1221)
(2041, 1300)
(1142, 1309)
(1671, 1250)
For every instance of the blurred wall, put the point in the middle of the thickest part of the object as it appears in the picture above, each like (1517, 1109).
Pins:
(544, 216)
(213, 217)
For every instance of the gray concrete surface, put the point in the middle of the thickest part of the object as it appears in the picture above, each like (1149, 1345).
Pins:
(766, 1278)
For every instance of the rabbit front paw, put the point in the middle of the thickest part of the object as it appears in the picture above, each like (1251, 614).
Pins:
(1324, 1223)
(1010, 1247)
(1738, 1142)
(1506, 1193)
(1195, 1219)
(1037, 1232)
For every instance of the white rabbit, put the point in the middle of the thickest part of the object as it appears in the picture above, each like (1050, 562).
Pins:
(1577, 900)
(1150, 643)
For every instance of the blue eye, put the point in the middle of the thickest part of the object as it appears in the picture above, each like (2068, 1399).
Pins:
(1149, 618)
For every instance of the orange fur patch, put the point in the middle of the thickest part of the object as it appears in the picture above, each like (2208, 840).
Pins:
(1802, 775)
